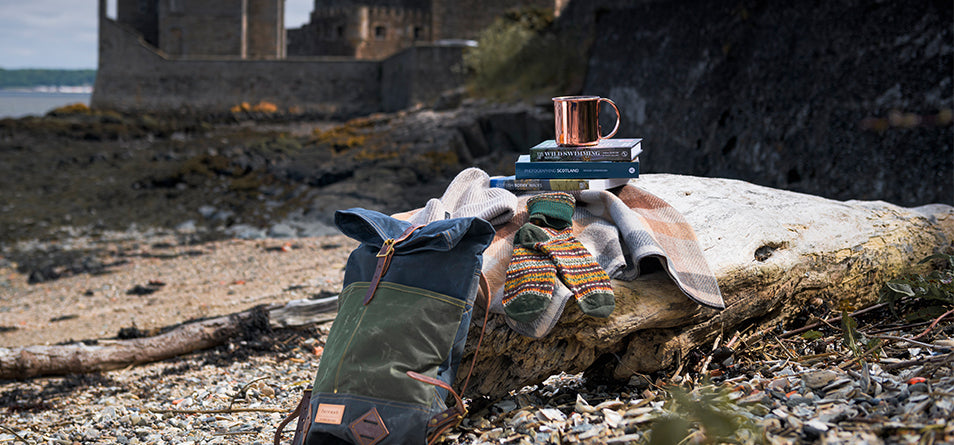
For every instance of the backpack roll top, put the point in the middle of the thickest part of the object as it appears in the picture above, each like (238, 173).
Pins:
(446, 248)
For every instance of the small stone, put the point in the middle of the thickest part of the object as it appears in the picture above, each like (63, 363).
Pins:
(629, 438)
(819, 379)
(778, 384)
(582, 406)
(814, 429)
(612, 418)
(505, 406)
(835, 384)
(553, 414)
(610, 404)
(267, 391)
(798, 400)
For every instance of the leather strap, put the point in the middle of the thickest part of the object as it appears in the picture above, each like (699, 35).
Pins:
(453, 415)
(444, 420)
(303, 412)
(384, 260)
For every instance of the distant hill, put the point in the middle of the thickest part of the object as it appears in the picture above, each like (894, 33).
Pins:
(29, 78)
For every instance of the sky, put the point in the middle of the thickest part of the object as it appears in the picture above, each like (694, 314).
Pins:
(62, 33)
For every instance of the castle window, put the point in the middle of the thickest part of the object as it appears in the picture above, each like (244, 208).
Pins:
(418, 33)
(380, 32)
(339, 31)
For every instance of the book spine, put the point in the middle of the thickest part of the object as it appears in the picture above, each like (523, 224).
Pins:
(579, 170)
(542, 185)
(584, 155)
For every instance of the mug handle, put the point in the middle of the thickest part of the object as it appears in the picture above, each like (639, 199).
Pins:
(602, 99)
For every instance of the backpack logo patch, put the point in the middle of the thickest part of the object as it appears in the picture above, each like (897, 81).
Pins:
(329, 413)
(369, 429)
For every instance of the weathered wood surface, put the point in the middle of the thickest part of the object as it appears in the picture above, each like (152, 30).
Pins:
(772, 251)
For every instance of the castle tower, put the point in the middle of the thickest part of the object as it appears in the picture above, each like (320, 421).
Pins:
(253, 29)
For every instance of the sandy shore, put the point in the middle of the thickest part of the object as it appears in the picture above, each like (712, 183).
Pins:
(153, 281)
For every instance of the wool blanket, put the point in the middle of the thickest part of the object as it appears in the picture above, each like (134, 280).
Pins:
(627, 229)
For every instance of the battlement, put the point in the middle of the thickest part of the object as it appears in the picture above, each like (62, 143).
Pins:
(353, 57)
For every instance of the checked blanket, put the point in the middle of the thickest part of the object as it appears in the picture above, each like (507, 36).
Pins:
(624, 229)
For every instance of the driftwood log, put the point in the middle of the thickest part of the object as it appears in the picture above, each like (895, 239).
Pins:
(106, 355)
(773, 252)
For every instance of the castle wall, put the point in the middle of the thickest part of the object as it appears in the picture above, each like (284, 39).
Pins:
(419, 75)
(134, 77)
(202, 27)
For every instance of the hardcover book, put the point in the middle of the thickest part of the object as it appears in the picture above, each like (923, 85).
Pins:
(546, 185)
(616, 150)
(525, 169)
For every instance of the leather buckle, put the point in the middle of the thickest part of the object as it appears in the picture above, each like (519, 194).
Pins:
(387, 248)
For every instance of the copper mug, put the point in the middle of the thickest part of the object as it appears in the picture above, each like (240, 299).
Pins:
(577, 120)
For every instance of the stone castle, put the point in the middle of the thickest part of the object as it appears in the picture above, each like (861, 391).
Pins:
(353, 57)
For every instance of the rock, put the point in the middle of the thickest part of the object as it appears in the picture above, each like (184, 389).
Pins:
(186, 227)
(244, 231)
(812, 248)
(282, 230)
(819, 379)
(850, 101)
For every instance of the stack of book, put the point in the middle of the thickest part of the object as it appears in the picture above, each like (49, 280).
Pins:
(610, 163)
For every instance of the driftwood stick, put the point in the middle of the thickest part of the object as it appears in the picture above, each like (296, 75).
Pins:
(80, 358)
(34, 361)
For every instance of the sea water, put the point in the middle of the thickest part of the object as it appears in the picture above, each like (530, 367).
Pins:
(16, 103)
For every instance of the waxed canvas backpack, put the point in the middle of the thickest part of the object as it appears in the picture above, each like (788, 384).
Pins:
(395, 346)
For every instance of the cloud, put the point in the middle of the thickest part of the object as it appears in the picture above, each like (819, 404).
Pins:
(297, 12)
(48, 34)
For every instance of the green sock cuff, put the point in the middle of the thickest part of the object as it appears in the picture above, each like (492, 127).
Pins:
(552, 209)
(529, 235)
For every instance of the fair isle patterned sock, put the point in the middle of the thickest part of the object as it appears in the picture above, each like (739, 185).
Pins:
(531, 276)
(580, 272)
(552, 209)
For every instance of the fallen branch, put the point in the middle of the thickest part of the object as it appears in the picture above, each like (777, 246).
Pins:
(11, 431)
(936, 321)
(904, 364)
(80, 358)
(830, 320)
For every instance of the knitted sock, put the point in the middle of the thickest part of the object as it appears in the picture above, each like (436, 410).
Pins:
(577, 268)
(530, 277)
(551, 209)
